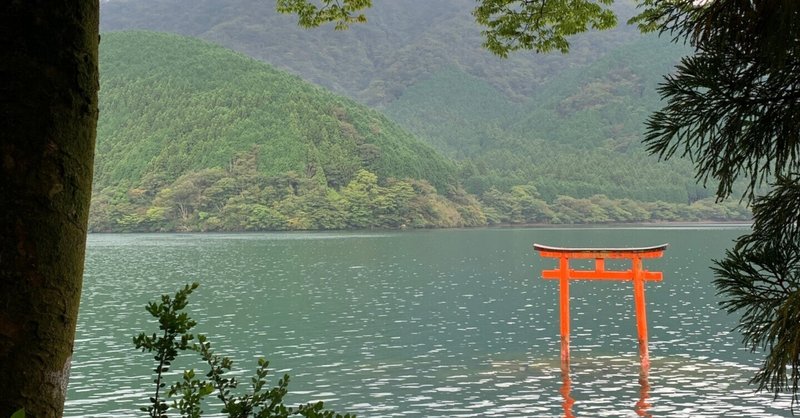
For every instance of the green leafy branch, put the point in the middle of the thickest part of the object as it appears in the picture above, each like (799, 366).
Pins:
(541, 25)
(191, 390)
(511, 25)
(175, 326)
(342, 12)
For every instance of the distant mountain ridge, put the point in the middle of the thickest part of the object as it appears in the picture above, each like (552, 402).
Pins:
(403, 42)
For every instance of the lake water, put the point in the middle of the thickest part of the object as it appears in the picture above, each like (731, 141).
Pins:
(444, 323)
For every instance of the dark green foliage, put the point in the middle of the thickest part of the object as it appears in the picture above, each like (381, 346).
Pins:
(261, 402)
(732, 109)
(760, 279)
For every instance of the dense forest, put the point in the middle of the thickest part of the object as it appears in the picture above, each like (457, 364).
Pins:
(566, 124)
(579, 135)
(405, 42)
(195, 137)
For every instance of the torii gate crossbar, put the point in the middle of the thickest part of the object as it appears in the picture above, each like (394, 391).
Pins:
(636, 274)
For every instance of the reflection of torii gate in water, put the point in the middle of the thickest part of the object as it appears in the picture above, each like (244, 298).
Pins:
(636, 274)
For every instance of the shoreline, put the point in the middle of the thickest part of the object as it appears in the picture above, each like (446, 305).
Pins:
(623, 225)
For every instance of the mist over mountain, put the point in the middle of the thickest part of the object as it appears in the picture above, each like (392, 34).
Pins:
(403, 43)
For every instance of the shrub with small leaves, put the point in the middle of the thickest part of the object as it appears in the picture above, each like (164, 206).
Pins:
(189, 392)
(175, 336)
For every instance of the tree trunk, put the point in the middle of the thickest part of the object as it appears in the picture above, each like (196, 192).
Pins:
(48, 118)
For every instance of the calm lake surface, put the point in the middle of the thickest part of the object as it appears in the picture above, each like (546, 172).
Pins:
(444, 323)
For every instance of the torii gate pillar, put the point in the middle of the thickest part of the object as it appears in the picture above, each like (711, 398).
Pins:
(637, 274)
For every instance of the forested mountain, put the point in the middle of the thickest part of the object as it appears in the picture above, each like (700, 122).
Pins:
(404, 42)
(527, 133)
(196, 137)
(578, 135)
(565, 124)
(187, 125)
(178, 104)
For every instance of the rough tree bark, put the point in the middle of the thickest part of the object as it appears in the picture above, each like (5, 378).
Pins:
(48, 118)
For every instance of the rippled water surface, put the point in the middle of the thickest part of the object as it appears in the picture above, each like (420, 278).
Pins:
(448, 323)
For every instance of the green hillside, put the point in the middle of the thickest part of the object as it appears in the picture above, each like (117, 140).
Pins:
(454, 111)
(171, 104)
(404, 42)
(578, 136)
(195, 137)
(603, 104)
(173, 107)
(566, 124)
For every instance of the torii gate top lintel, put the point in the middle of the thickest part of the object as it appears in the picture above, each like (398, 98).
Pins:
(641, 252)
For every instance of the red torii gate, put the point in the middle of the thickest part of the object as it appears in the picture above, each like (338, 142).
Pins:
(636, 274)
